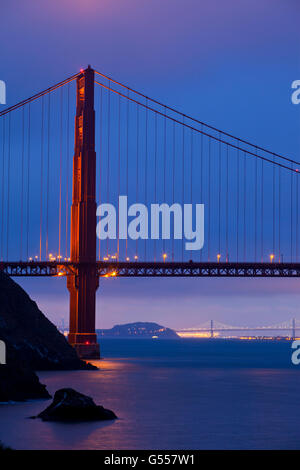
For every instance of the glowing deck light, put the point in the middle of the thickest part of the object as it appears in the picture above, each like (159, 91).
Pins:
(127, 259)
(272, 258)
(136, 257)
(218, 257)
(165, 256)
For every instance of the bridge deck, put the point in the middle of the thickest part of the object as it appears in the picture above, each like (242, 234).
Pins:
(153, 269)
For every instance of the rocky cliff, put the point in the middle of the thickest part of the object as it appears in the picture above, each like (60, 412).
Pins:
(32, 342)
(18, 381)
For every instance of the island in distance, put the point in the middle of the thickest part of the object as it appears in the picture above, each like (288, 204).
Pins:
(138, 330)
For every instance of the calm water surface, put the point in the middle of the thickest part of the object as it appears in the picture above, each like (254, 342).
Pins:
(174, 394)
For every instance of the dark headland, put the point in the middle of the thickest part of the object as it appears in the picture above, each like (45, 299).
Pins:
(32, 343)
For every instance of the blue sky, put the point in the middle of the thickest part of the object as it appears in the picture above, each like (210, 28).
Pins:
(230, 64)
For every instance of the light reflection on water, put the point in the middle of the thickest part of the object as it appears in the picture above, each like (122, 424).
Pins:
(173, 395)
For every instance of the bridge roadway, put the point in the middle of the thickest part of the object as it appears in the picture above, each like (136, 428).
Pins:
(152, 269)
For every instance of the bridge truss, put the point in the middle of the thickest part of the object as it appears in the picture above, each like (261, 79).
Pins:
(152, 269)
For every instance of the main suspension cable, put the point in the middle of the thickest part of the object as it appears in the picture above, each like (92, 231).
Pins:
(38, 95)
(173, 110)
(182, 123)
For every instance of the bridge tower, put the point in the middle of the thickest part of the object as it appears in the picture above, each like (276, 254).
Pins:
(294, 329)
(211, 328)
(84, 283)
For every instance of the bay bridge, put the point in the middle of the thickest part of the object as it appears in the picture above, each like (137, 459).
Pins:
(210, 328)
(126, 143)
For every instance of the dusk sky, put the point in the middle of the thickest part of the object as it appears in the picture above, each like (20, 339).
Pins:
(230, 64)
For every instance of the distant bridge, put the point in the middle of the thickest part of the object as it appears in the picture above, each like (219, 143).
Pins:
(212, 327)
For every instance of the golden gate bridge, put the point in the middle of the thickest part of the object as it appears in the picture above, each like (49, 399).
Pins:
(127, 143)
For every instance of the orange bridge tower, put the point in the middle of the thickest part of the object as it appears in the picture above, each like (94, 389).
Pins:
(84, 282)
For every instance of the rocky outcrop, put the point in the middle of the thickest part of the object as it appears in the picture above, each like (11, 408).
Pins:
(32, 343)
(70, 405)
(18, 381)
(25, 329)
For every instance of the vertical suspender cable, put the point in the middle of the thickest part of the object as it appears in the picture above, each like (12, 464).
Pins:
(60, 171)
(22, 185)
(255, 209)
(42, 171)
(297, 214)
(201, 175)
(28, 179)
(219, 193)
(209, 198)
(173, 184)
(137, 166)
(146, 169)
(48, 176)
(292, 218)
(108, 153)
(8, 185)
(127, 156)
(191, 175)
(237, 202)
(183, 162)
(119, 168)
(245, 205)
(262, 213)
(155, 177)
(2, 198)
(279, 214)
(227, 175)
(165, 158)
(273, 207)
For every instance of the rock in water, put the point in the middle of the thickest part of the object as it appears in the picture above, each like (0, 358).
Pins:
(24, 327)
(70, 405)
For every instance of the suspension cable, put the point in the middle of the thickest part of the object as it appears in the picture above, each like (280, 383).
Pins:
(173, 110)
(248, 152)
(38, 95)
